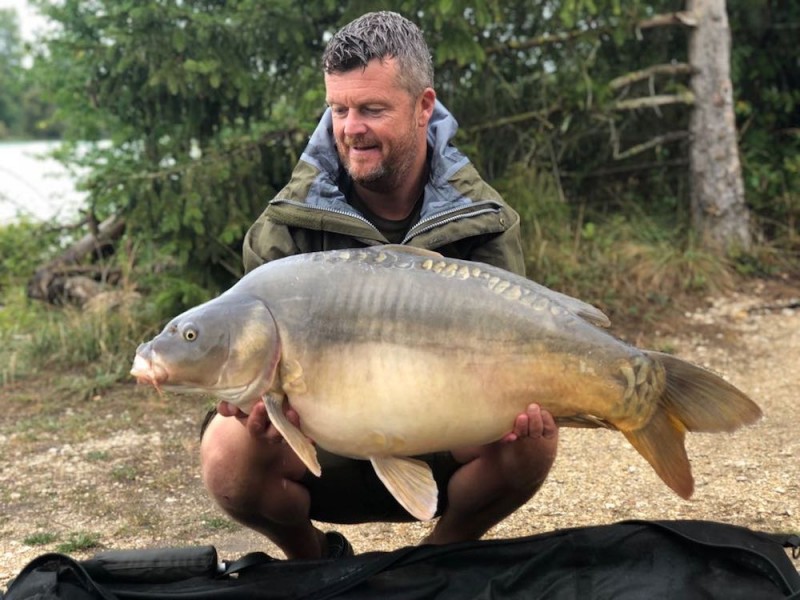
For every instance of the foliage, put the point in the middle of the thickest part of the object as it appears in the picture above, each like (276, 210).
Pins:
(767, 85)
(23, 111)
(205, 103)
(10, 72)
(207, 106)
(24, 245)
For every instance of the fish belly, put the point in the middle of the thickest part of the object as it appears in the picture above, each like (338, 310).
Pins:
(364, 400)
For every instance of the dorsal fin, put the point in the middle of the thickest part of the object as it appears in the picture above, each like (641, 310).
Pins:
(586, 311)
(580, 308)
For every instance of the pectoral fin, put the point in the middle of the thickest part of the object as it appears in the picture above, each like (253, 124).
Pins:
(301, 445)
(411, 482)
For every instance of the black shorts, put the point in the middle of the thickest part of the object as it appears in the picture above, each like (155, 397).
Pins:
(349, 491)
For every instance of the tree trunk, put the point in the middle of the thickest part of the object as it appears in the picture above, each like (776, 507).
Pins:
(719, 213)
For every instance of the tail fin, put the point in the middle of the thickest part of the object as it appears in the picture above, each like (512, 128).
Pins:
(693, 400)
(701, 400)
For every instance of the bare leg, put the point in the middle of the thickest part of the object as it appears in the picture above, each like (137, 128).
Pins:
(253, 477)
(498, 478)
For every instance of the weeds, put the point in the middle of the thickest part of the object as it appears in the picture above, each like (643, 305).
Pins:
(97, 347)
(40, 539)
(123, 473)
(79, 541)
(97, 456)
(219, 524)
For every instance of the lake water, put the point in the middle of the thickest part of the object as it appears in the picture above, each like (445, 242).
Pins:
(34, 186)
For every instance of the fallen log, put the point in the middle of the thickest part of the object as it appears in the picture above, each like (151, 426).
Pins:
(78, 274)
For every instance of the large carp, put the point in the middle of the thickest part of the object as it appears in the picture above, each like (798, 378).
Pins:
(389, 352)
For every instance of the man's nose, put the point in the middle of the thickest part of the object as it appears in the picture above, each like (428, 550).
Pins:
(354, 124)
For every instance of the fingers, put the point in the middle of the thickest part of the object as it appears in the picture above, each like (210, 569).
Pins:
(257, 422)
(226, 409)
(259, 426)
(549, 427)
(533, 423)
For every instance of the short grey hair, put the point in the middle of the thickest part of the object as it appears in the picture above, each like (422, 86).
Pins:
(382, 35)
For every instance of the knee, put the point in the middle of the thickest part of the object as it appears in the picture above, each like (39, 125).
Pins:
(219, 462)
(248, 476)
(235, 467)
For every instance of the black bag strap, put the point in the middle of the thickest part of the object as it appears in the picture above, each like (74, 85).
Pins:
(241, 565)
(792, 541)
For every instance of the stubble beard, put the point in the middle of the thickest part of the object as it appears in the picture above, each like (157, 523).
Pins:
(390, 171)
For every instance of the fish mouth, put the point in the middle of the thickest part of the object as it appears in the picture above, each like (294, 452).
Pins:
(147, 371)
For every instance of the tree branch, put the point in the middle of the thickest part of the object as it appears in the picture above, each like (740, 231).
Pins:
(543, 40)
(667, 69)
(654, 101)
(672, 136)
(538, 115)
(621, 170)
(683, 17)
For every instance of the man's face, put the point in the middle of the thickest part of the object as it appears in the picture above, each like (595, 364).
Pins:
(379, 128)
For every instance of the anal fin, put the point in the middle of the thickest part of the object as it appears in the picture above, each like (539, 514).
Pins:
(296, 439)
(411, 482)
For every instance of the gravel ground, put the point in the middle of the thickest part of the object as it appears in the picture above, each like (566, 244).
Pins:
(118, 469)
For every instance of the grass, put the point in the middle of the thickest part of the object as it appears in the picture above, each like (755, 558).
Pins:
(92, 351)
(97, 456)
(629, 263)
(80, 540)
(124, 473)
(219, 524)
(40, 539)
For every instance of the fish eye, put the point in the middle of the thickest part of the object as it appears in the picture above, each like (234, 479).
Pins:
(190, 334)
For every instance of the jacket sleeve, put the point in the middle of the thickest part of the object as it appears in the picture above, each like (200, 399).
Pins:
(266, 241)
(503, 250)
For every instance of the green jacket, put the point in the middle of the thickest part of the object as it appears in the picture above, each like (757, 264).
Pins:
(461, 215)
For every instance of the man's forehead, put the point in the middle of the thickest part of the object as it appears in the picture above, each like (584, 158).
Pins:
(376, 82)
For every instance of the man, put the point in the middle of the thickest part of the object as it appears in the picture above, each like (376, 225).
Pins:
(378, 169)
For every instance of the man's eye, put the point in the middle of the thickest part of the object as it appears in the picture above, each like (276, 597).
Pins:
(373, 110)
(339, 111)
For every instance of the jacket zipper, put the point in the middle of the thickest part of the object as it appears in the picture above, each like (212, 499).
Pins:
(335, 211)
(422, 226)
(442, 219)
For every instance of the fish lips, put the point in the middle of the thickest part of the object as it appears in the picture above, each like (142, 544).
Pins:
(145, 369)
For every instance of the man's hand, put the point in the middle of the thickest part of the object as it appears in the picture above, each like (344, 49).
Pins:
(257, 422)
(533, 423)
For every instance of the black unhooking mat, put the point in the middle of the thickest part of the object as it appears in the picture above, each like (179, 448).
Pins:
(628, 560)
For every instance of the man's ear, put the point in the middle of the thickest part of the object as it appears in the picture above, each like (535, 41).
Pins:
(426, 103)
